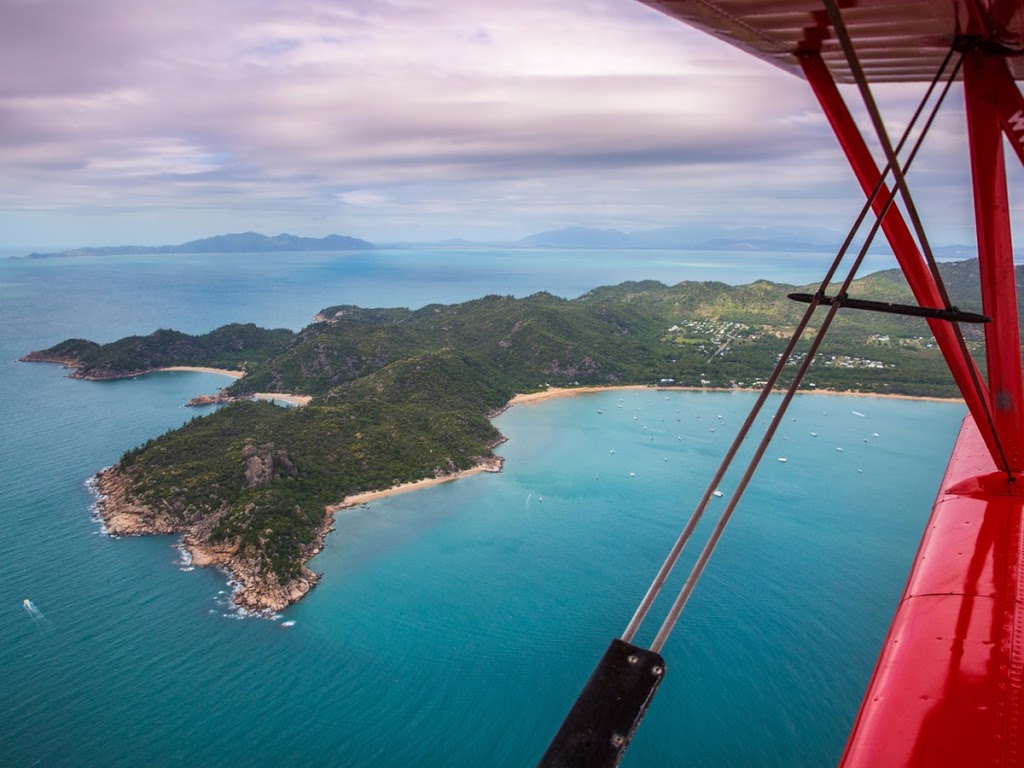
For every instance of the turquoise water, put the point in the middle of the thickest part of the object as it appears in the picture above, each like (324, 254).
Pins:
(455, 625)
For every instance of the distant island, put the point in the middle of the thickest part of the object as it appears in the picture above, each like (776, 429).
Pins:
(677, 238)
(690, 238)
(242, 242)
(401, 396)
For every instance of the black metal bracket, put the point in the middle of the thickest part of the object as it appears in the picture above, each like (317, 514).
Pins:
(601, 723)
(952, 315)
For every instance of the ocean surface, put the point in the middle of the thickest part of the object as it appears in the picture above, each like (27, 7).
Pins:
(453, 626)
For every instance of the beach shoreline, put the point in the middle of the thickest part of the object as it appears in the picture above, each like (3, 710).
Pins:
(552, 393)
(255, 591)
(556, 392)
(288, 398)
(201, 369)
(285, 396)
(491, 465)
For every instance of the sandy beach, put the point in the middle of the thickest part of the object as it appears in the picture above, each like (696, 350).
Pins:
(286, 397)
(200, 369)
(492, 465)
(552, 392)
(293, 399)
(882, 395)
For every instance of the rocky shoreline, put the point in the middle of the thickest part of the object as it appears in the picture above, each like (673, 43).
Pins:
(77, 366)
(256, 592)
(219, 399)
(79, 371)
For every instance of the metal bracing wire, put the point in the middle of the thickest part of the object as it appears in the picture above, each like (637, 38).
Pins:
(669, 563)
(846, 43)
(901, 184)
(705, 555)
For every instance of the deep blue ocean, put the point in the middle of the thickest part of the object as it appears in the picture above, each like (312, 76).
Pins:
(453, 626)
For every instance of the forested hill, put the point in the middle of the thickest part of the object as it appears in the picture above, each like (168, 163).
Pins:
(233, 346)
(637, 332)
(401, 394)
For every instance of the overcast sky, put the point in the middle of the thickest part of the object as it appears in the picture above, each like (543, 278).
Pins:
(146, 123)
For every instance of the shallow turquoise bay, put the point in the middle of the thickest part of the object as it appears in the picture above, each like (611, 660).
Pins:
(454, 625)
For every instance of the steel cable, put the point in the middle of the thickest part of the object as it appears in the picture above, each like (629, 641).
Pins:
(669, 563)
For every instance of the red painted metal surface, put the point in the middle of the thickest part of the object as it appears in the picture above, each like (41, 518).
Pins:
(992, 221)
(897, 40)
(1009, 102)
(947, 690)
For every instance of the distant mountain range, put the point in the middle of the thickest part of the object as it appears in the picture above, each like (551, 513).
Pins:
(690, 238)
(242, 242)
(754, 239)
(686, 238)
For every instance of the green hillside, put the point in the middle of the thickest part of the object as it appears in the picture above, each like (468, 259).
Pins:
(401, 394)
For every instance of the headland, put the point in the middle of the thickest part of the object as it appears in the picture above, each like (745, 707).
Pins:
(397, 400)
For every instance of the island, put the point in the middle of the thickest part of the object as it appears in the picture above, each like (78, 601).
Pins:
(239, 242)
(397, 397)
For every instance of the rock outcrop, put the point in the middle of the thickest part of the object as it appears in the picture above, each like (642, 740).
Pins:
(219, 399)
(258, 591)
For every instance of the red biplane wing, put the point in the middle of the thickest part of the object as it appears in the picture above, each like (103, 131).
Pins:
(948, 688)
(896, 40)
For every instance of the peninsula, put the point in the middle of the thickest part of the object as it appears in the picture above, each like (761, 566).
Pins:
(400, 396)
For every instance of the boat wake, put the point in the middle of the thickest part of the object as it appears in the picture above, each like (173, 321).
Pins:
(37, 616)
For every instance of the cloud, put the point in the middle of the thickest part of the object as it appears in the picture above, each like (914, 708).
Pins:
(362, 197)
(400, 119)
